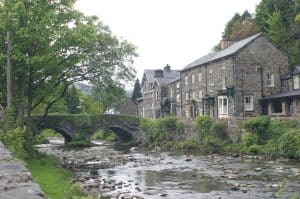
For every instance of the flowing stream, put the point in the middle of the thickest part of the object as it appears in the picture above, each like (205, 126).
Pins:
(137, 173)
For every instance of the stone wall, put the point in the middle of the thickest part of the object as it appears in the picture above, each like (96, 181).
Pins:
(16, 181)
(251, 66)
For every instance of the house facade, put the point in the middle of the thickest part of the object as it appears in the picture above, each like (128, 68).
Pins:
(155, 91)
(234, 81)
(287, 102)
(241, 80)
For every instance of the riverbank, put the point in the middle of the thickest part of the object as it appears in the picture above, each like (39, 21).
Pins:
(106, 171)
(15, 179)
(55, 181)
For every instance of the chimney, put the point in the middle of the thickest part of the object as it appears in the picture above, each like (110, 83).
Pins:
(167, 68)
(225, 43)
(158, 73)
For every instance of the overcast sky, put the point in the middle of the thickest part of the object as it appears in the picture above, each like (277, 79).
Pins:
(174, 32)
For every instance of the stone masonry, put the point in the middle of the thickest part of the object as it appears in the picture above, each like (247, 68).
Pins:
(15, 180)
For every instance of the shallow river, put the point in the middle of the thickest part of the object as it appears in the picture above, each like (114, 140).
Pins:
(107, 171)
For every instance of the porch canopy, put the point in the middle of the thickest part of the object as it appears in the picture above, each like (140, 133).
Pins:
(283, 95)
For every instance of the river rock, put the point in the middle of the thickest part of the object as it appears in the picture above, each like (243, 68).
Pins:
(258, 169)
(163, 195)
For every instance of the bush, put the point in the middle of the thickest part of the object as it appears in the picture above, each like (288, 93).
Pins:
(278, 127)
(258, 125)
(289, 144)
(43, 137)
(219, 129)
(203, 124)
(162, 129)
(112, 137)
(249, 139)
(212, 144)
(15, 141)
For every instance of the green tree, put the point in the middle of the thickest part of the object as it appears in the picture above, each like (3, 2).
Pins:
(72, 100)
(277, 19)
(49, 54)
(137, 93)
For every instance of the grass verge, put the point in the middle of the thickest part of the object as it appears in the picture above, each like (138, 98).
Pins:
(54, 180)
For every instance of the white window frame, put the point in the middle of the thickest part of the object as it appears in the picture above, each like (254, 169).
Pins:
(248, 103)
(178, 98)
(223, 82)
(193, 78)
(186, 80)
(200, 95)
(187, 97)
(171, 92)
(296, 79)
(194, 95)
(270, 80)
(210, 71)
(200, 77)
(222, 107)
(178, 85)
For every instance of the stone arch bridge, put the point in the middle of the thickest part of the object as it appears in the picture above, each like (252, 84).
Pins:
(83, 126)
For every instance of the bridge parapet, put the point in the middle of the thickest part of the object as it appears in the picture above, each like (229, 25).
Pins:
(82, 126)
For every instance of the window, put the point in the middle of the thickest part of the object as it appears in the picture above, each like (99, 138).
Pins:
(223, 82)
(248, 101)
(210, 85)
(194, 95)
(200, 95)
(186, 80)
(171, 92)
(193, 79)
(270, 79)
(277, 106)
(296, 82)
(157, 95)
(210, 71)
(223, 105)
(178, 98)
(200, 77)
(186, 97)
(178, 85)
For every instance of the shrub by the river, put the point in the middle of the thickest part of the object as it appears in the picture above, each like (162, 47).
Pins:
(203, 124)
(273, 137)
(105, 134)
(15, 141)
(43, 137)
(289, 144)
(162, 129)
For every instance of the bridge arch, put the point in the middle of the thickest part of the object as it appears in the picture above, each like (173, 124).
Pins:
(62, 132)
(123, 133)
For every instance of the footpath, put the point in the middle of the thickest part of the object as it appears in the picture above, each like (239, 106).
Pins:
(15, 180)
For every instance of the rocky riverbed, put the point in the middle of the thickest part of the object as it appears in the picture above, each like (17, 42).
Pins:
(111, 173)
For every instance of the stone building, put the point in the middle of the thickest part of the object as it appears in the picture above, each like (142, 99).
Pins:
(155, 91)
(128, 107)
(174, 95)
(287, 102)
(234, 81)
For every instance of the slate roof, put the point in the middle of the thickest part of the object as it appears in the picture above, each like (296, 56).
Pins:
(232, 49)
(297, 70)
(168, 76)
(284, 94)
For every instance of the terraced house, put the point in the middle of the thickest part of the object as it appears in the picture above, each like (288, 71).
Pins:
(234, 81)
(243, 79)
(155, 101)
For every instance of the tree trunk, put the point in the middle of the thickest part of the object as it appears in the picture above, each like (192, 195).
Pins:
(21, 106)
(9, 72)
(30, 98)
